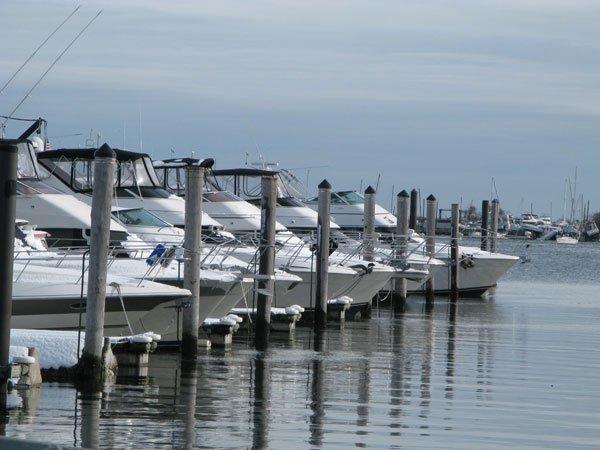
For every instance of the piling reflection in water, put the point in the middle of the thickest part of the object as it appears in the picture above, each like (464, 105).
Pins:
(262, 399)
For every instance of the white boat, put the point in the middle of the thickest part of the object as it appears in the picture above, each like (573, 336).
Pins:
(292, 252)
(220, 290)
(478, 271)
(47, 296)
(136, 184)
(566, 240)
(64, 217)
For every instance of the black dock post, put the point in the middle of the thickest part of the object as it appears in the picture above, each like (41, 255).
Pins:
(8, 186)
(485, 211)
(414, 205)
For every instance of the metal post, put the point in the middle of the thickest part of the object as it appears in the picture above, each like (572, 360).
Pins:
(430, 243)
(454, 253)
(495, 217)
(414, 205)
(268, 204)
(485, 212)
(369, 225)
(402, 216)
(8, 185)
(104, 170)
(194, 181)
(323, 254)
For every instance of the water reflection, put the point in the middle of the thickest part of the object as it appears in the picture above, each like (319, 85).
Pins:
(90, 403)
(187, 404)
(261, 403)
(468, 373)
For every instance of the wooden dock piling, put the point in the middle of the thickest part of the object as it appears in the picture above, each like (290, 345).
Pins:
(323, 224)
(402, 223)
(454, 252)
(93, 369)
(268, 205)
(495, 217)
(194, 181)
(369, 225)
(430, 244)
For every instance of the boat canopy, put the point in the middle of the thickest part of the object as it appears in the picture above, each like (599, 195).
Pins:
(75, 168)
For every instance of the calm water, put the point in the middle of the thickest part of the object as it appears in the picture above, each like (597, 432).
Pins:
(518, 369)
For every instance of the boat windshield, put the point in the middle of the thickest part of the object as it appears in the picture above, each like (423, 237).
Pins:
(26, 162)
(139, 216)
(289, 202)
(349, 197)
(341, 198)
(220, 196)
(137, 172)
(30, 187)
(172, 179)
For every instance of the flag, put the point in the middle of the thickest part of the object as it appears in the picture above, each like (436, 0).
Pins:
(47, 146)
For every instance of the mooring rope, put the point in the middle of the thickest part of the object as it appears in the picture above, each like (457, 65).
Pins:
(117, 286)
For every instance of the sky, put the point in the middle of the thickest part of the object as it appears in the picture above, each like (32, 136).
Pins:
(466, 100)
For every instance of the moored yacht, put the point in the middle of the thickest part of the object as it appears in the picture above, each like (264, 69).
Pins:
(66, 219)
(292, 253)
(136, 184)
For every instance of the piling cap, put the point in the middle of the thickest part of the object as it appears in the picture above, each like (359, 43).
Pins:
(369, 190)
(105, 152)
(10, 145)
(431, 198)
(403, 194)
(414, 191)
(325, 185)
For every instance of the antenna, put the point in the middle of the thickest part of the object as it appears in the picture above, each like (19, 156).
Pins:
(50, 68)
(37, 50)
(141, 143)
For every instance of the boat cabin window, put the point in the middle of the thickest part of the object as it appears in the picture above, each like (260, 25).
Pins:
(139, 216)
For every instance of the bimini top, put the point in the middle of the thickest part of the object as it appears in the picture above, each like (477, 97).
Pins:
(74, 167)
(88, 153)
(244, 171)
(184, 162)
